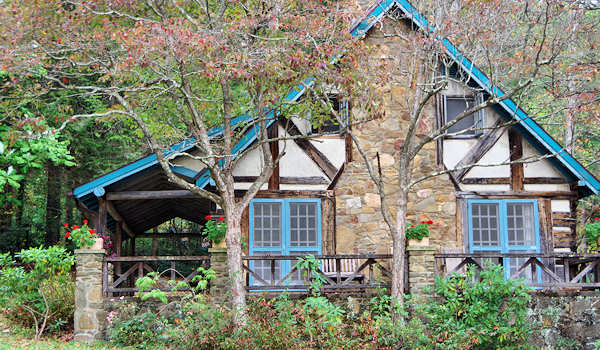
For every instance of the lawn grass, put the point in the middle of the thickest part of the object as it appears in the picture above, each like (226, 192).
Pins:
(23, 339)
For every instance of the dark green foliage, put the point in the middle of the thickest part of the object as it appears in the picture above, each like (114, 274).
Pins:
(37, 290)
(488, 313)
(139, 330)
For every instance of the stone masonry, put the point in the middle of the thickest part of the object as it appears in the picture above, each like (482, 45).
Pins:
(360, 227)
(421, 268)
(90, 317)
(218, 262)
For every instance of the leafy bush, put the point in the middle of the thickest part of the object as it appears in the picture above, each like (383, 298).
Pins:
(36, 289)
(138, 330)
(467, 312)
(592, 232)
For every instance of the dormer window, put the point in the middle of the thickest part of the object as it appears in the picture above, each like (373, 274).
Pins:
(471, 125)
(331, 125)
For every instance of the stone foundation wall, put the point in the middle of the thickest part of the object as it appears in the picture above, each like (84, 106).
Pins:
(359, 224)
(570, 321)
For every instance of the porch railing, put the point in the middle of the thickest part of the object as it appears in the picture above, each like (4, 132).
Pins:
(545, 271)
(369, 271)
(171, 268)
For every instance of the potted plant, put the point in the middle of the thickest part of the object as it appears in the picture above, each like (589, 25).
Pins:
(84, 237)
(418, 235)
(214, 230)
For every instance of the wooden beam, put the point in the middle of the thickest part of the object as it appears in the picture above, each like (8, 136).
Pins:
(487, 181)
(288, 180)
(101, 222)
(515, 142)
(289, 193)
(311, 151)
(479, 149)
(143, 195)
(513, 194)
(335, 180)
(118, 218)
(545, 180)
(118, 246)
(273, 133)
(168, 235)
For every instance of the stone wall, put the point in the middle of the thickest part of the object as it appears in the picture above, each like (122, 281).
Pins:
(568, 321)
(90, 317)
(359, 224)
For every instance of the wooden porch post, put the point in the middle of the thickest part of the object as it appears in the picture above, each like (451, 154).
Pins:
(118, 245)
(101, 222)
(132, 246)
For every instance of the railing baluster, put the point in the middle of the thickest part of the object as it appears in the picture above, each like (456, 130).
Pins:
(370, 273)
(338, 270)
(172, 270)
(272, 281)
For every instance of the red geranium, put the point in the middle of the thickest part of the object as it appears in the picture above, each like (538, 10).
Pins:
(68, 234)
(208, 217)
(412, 226)
(221, 218)
(75, 227)
(430, 222)
(85, 221)
(66, 225)
(596, 218)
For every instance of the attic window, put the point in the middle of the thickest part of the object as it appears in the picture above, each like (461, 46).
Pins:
(331, 125)
(471, 125)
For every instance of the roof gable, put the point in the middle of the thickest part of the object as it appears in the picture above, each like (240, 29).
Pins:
(532, 128)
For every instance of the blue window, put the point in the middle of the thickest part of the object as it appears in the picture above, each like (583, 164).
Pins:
(505, 226)
(283, 227)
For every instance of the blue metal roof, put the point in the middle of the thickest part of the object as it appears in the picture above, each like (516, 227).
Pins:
(586, 179)
(151, 160)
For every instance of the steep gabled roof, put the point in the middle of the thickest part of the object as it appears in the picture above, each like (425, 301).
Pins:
(585, 179)
(359, 29)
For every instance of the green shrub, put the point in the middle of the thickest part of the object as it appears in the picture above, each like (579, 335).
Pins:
(141, 330)
(37, 290)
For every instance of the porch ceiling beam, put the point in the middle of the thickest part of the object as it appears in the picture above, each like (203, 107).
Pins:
(311, 151)
(169, 235)
(142, 195)
(115, 214)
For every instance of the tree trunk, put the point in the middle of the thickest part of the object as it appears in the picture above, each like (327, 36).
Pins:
(234, 262)
(53, 207)
(399, 243)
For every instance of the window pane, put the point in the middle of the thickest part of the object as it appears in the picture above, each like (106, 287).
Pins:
(303, 224)
(520, 224)
(263, 268)
(267, 224)
(454, 107)
(484, 223)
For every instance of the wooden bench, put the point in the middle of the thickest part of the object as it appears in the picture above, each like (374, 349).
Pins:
(347, 269)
